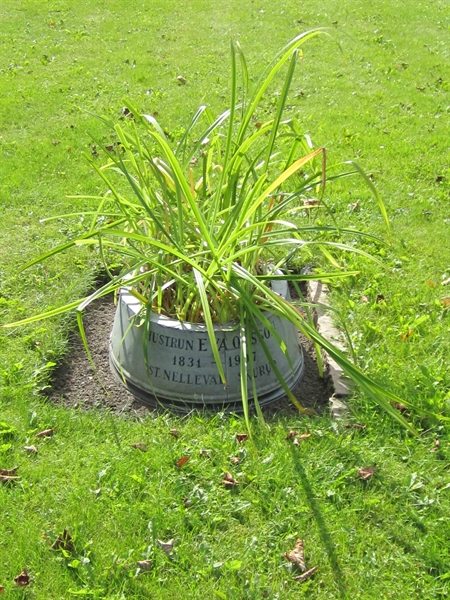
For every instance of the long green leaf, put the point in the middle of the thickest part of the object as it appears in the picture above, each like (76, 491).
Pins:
(209, 324)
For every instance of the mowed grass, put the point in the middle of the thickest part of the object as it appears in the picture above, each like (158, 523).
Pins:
(377, 92)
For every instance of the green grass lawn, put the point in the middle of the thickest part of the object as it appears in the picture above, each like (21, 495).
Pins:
(377, 92)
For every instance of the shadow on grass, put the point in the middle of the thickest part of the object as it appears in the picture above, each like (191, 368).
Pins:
(321, 525)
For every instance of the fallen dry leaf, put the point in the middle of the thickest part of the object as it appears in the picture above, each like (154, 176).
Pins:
(354, 426)
(235, 460)
(291, 434)
(22, 580)
(145, 565)
(364, 299)
(167, 547)
(229, 480)
(435, 448)
(2, 589)
(304, 436)
(399, 406)
(45, 433)
(446, 281)
(306, 575)
(63, 541)
(310, 201)
(367, 472)
(431, 284)
(181, 79)
(8, 471)
(8, 478)
(296, 442)
(126, 112)
(31, 449)
(241, 437)
(183, 460)
(445, 301)
(380, 298)
(297, 556)
(175, 433)
(140, 446)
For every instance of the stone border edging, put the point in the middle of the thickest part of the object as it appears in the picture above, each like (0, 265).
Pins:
(318, 294)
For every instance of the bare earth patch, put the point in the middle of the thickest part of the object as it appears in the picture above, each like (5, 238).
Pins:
(75, 384)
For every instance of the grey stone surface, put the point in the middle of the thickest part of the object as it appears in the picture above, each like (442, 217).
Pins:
(318, 294)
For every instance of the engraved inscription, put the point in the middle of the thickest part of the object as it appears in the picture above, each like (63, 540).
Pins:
(183, 362)
(201, 344)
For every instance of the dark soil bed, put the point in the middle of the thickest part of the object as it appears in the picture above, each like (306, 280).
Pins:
(76, 384)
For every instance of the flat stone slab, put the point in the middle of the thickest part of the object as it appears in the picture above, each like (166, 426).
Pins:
(318, 294)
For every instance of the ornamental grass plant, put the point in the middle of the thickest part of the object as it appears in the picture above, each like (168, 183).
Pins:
(198, 228)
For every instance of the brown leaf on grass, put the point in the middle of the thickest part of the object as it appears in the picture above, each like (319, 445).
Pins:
(22, 580)
(366, 472)
(399, 406)
(354, 426)
(145, 565)
(311, 201)
(140, 446)
(445, 301)
(183, 460)
(297, 556)
(306, 575)
(113, 147)
(31, 449)
(235, 460)
(8, 478)
(446, 281)
(435, 448)
(431, 284)
(408, 334)
(2, 589)
(175, 433)
(291, 434)
(304, 436)
(126, 112)
(364, 299)
(380, 298)
(296, 442)
(181, 79)
(167, 547)
(63, 541)
(45, 433)
(241, 437)
(229, 480)
(8, 471)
